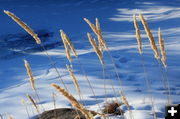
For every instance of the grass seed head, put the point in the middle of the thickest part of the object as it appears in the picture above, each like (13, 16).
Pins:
(150, 37)
(73, 101)
(73, 78)
(33, 102)
(24, 26)
(66, 45)
(95, 47)
(29, 72)
(138, 36)
(162, 48)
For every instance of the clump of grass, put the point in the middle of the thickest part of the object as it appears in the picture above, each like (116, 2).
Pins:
(113, 108)
(96, 29)
(109, 108)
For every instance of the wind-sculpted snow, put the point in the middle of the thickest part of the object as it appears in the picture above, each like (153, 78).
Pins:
(151, 10)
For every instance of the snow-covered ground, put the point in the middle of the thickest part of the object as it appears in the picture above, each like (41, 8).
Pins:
(48, 17)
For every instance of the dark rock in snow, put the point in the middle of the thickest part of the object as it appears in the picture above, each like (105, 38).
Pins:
(61, 113)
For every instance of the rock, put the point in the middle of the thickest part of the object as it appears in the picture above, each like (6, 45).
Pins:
(61, 113)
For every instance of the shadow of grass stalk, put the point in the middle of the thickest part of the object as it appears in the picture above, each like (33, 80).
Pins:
(54, 103)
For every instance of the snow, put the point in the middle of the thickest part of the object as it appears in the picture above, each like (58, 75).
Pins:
(118, 31)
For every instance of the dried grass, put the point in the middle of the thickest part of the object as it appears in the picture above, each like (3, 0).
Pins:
(100, 37)
(29, 72)
(112, 108)
(124, 100)
(65, 46)
(162, 48)
(150, 37)
(73, 101)
(96, 29)
(138, 36)
(24, 26)
(74, 79)
(67, 40)
(33, 102)
(95, 47)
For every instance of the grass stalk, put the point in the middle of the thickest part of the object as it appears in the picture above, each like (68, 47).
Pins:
(32, 81)
(89, 83)
(148, 84)
(163, 81)
(23, 103)
(67, 43)
(76, 84)
(154, 48)
(163, 60)
(98, 33)
(124, 100)
(34, 104)
(169, 89)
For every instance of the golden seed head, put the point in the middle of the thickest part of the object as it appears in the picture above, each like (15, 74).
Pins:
(162, 48)
(95, 47)
(24, 26)
(150, 37)
(29, 72)
(138, 36)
